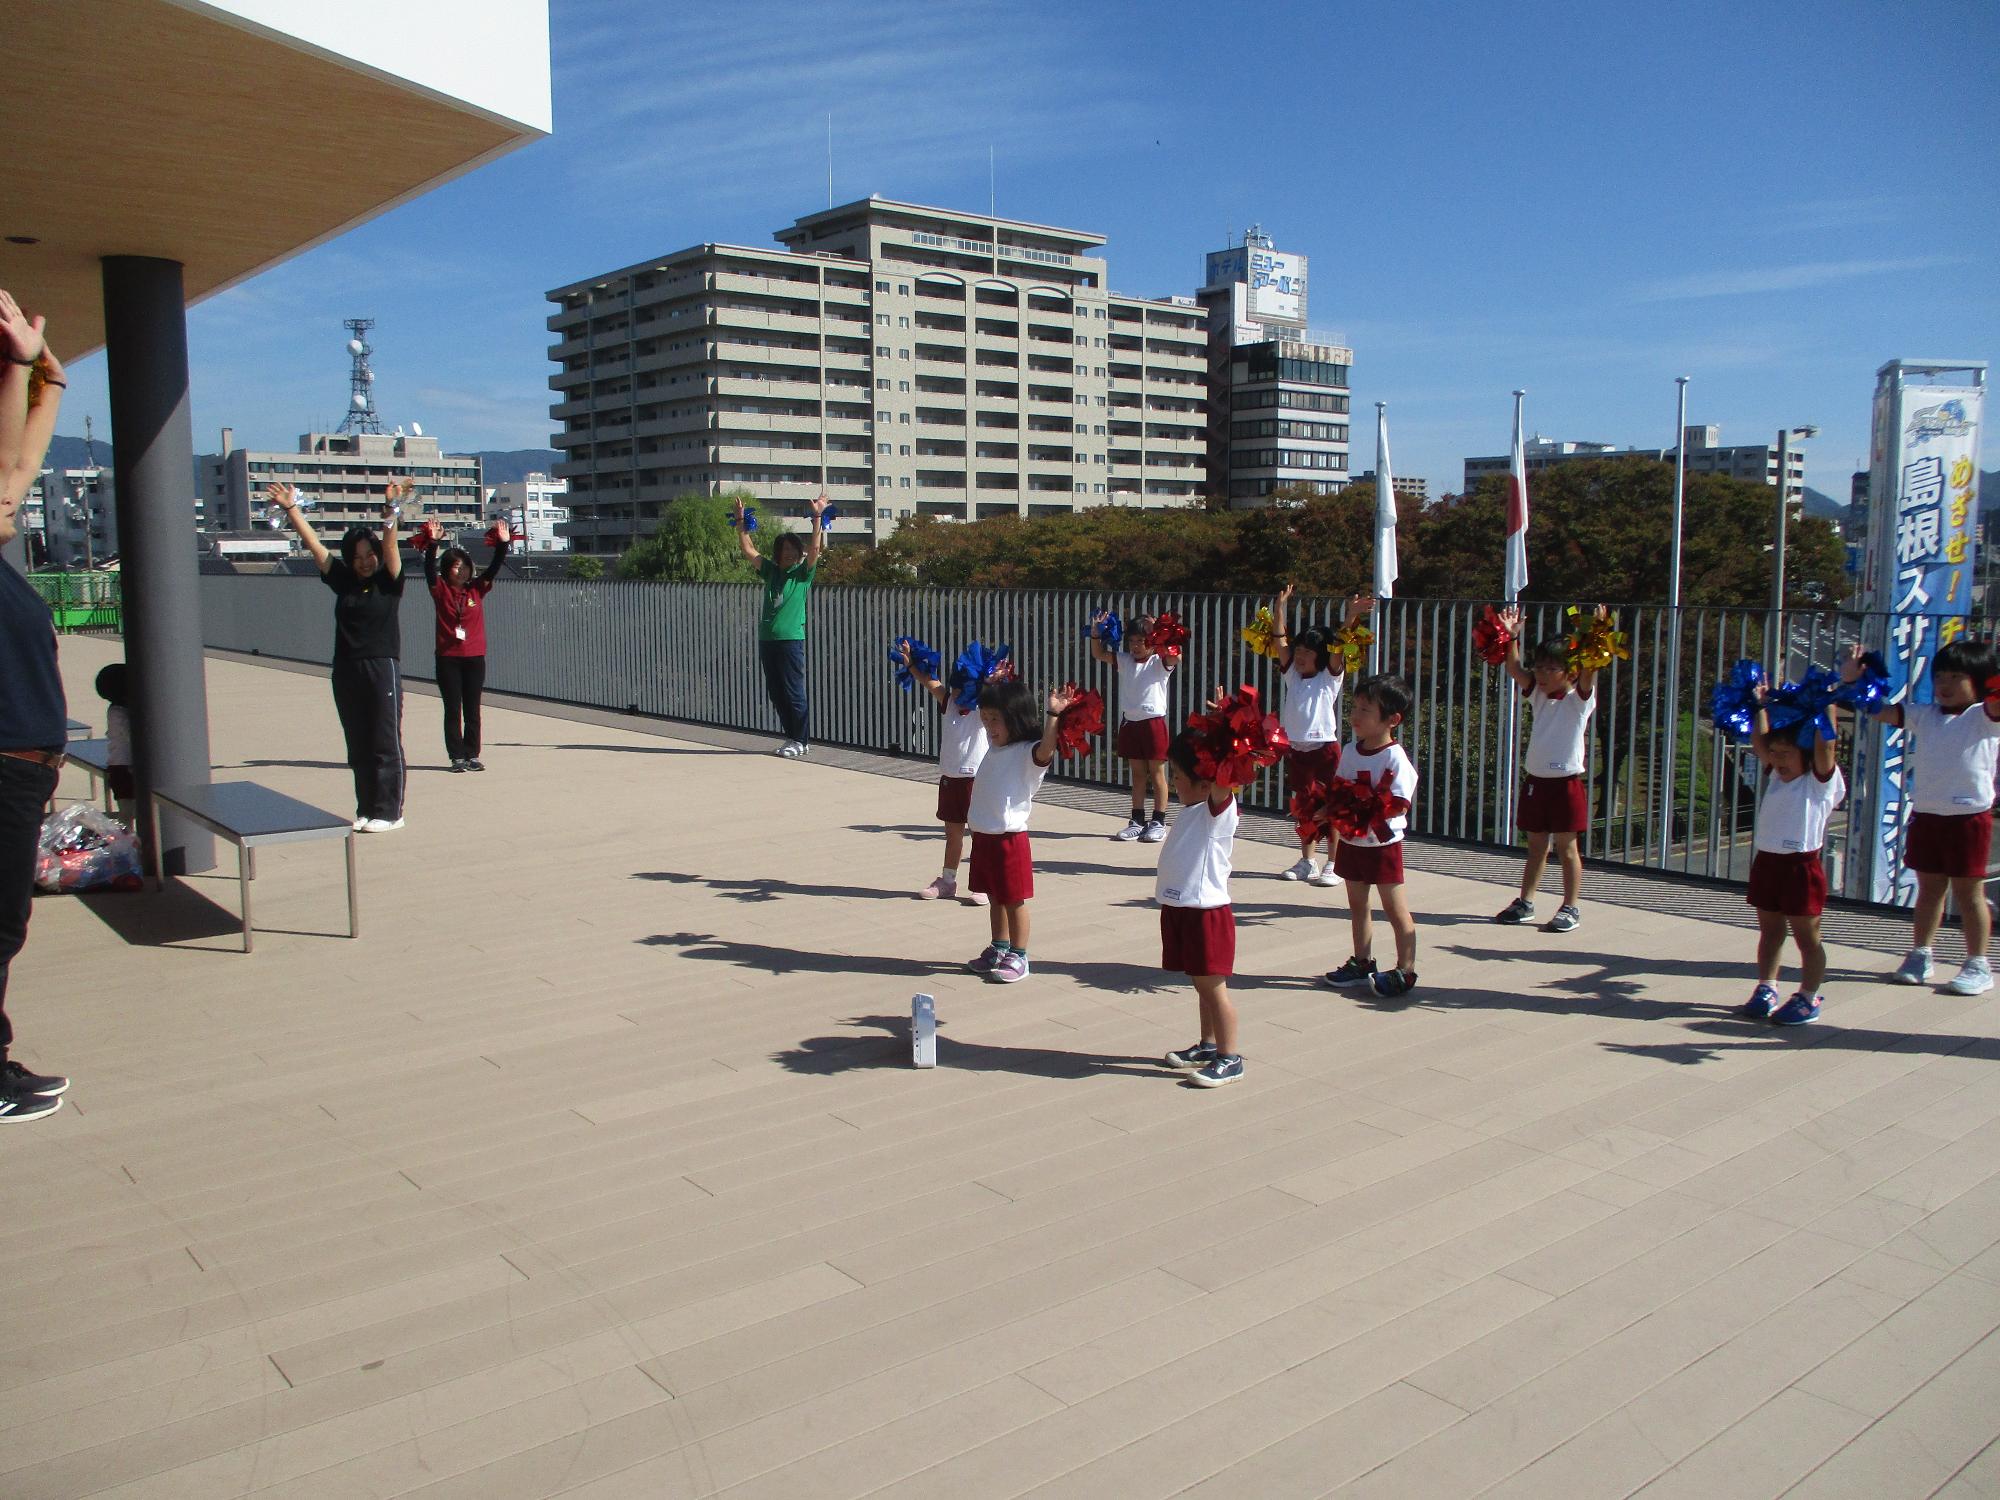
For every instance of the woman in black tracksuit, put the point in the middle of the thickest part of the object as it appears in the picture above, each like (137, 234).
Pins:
(367, 581)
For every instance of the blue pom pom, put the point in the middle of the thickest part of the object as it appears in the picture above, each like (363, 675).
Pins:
(1110, 631)
(828, 516)
(1733, 703)
(749, 520)
(975, 664)
(1799, 709)
(921, 656)
(1868, 693)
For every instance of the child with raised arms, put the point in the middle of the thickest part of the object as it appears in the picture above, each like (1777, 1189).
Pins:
(1197, 924)
(1142, 719)
(1370, 860)
(962, 746)
(1021, 744)
(1313, 671)
(1787, 881)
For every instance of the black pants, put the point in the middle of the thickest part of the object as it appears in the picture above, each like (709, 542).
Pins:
(460, 681)
(369, 697)
(785, 682)
(25, 789)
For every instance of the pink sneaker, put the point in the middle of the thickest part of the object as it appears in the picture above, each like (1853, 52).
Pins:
(939, 889)
(974, 898)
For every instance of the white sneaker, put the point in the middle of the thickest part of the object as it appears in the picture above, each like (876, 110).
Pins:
(1301, 871)
(790, 750)
(360, 824)
(381, 825)
(1154, 832)
(1916, 968)
(1975, 978)
(1326, 877)
(1130, 831)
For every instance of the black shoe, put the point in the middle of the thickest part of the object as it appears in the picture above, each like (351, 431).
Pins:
(475, 765)
(15, 1079)
(459, 765)
(17, 1107)
(1392, 984)
(1355, 971)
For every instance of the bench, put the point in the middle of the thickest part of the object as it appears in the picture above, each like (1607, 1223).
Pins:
(250, 816)
(78, 730)
(94, 757)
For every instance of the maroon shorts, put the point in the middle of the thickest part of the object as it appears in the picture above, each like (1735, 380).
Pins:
(1198, 940)
(1794, 884)
(1142, 739)
(954, 798)
(1317, 764)
(1371, 864)
(1554, 804)
(1954, 844)
(1003, 867)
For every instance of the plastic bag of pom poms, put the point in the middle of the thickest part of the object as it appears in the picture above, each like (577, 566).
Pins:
(1732, 704)
(977, 664)
(83, 848)
(1235, 738)
(828, 516)
(1596, 644)
(923, 657)
(1357, 805)
(1261, 634)
(1169, 635)
(1491, 639)
(1081, 722)
(1352, 642)
(1109, 629)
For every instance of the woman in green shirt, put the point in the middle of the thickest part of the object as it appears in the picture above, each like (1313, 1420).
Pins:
(787, 576)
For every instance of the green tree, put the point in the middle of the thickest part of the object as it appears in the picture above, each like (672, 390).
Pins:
(586, 568)
(695, 542)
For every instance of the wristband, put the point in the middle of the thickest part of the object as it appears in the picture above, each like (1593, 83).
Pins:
(15, 359)
(62, 385)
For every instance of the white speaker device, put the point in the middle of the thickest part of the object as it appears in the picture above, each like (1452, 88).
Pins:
(923, 1032)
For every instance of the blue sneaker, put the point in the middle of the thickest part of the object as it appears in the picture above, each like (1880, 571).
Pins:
(1189, 1058)
(1763, 1000)
(1216, 1074)
(1797, 1011)
(987, 962)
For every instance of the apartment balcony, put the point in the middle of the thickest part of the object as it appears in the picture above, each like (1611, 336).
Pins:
(773, 320)
(767, 286)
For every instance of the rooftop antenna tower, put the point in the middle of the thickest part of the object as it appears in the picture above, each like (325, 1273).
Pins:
(361, 414)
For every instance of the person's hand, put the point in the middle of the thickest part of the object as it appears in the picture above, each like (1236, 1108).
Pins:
(20, 335)
(818, 504)
(1762, 693)
(1221, 697)
(284, 496)
(1098, 622)
(1285, 593)
(1511, 618)
(506, 531)
(903, 652)
(738, 508)
(1061, 699)
(1359, 605)
(1602, 612)
(393, 496)
(51, 368)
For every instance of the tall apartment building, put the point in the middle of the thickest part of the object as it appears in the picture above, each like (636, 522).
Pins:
(73, 516)
(1706, 454)
(1278, 393)
(536, 509)
(344, 474)
(907, 360)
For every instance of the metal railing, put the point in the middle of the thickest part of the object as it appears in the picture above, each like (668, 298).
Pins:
(686, 651)
(81, 601)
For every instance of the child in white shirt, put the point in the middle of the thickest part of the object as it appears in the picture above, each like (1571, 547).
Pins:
(1143, 674)
(1787, 881)
(961, 747)
(1371, 862)
(1314, 672)
(1022, 743)
(1197, 923)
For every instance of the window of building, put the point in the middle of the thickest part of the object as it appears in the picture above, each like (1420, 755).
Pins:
(882, 385)
(902, 354)
(902, 289)
(881, 286)
(904, 418)
(906, 450)
(903, 322)
(902, 385)
(882, 319)
(881, 512)
(904, 482)
(883, 449)
(882, 351)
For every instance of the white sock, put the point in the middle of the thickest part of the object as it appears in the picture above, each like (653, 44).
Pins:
(951, 873)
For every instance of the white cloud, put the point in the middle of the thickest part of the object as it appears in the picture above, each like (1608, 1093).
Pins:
(1792, 278)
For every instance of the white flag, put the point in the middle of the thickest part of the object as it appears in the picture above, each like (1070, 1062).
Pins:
(1386, 571)
(1516, 571)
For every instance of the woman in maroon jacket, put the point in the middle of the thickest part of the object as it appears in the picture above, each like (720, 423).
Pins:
(460, 601)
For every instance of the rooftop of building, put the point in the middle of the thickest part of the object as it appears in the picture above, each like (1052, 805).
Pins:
(862, 209)
(596, 1166)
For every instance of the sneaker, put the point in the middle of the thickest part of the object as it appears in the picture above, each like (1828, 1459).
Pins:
(1216, 1074)
(1354, 971)
(974, 898)
(15, 1079)
(1916, 968)
(1199, 1055)
(1763, 1000)
(358, 822)
(1132, 830)
(1327, 876)
(475, 764)
(458, 767)
(1976, 978)
(17, 1107)
(379, 825)
(1797, 1011)
(1300, 871)
(1392, 984)
(1011, 969)
(1155, 831)
(940, 889)
(984, 964)
(1518, 911)
(790, 750)
(1566, 919)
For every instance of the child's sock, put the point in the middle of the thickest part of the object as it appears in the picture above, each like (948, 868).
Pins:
(951, 873)
(1138, 812)
(1018, 951)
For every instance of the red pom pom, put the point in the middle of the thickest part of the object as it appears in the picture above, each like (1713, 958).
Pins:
(1993, 690)
(1491, 639)
(1081, 722)
(427, 536)
(1235, 738)
(1169, 635)
(1356, 805)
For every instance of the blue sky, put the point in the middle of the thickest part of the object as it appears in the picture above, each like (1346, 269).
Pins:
(1585, 200)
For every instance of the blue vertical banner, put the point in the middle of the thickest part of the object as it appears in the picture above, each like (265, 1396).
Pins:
(1923, 535)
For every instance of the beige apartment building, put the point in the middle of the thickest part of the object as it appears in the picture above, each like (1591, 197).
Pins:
(343, 475)
(907, 360)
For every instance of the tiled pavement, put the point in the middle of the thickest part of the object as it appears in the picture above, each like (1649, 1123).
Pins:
(595, 1169)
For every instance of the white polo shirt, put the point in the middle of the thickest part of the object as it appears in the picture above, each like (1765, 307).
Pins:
(1195, 859)
(1793, 816)
(1142, 686)
(1951, 759)
(1555, 739)
(1403, 783)
(1311, 710)
(963, 741)
(1004, 787)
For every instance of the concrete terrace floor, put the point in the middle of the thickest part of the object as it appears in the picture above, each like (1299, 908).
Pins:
(595, 1169)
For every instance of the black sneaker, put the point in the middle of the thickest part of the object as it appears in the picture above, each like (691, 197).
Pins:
(17, 1107)
(1197, 1056)
(1356, 971)
(15, 1079)
(476, 764)
(1392, 984)
(1518, 911)
(1217, 1073)
(458, 766)
(1566, 919)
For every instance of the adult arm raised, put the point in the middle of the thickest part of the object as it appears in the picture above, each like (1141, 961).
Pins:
(743, 542)
(25, 429)
(817, 543)
(393, 496)
(286, 498)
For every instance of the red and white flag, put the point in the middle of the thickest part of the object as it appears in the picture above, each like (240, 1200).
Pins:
(1515, 577)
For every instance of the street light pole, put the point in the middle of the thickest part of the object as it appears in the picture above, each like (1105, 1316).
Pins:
(1674, 622)
(1785, 435)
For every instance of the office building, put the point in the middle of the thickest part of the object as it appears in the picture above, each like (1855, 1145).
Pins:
(535, 508)
(1706, 454)
(1278, 392)
(344, 474)
(906, 360)
(1407, 486)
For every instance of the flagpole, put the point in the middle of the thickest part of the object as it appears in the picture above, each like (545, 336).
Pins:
(1511, 581)
(1674, 625)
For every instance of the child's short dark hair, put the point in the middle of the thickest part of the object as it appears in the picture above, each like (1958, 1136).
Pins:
(1976, 659)
(111, 684)
(351, 540)
(1312, 639)
(784, 537)
(1553, 652)
(1017, 706)
(1180, 753)
(1388, 692)
(1138, 627)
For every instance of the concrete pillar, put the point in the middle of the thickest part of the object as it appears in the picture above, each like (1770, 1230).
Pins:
(145, 349)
